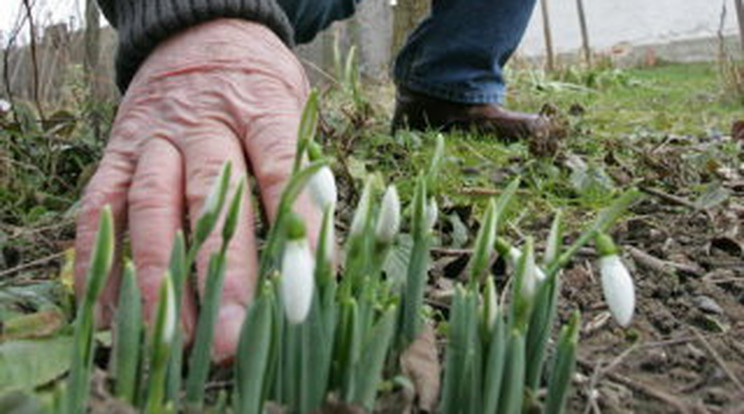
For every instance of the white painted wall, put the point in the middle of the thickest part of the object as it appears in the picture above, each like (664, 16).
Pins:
(638, 22)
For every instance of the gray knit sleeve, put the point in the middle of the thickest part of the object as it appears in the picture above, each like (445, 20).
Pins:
(143, 24)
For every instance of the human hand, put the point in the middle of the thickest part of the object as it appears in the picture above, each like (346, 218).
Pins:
(224, 90)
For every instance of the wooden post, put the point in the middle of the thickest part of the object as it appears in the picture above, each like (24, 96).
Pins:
(548, 36)
(740, 14)
(406, 15)
(92, 38)
(585, 33)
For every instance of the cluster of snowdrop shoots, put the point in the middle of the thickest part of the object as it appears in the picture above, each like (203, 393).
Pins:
(312, 335)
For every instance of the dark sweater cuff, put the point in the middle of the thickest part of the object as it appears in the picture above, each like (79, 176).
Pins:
(143, 24)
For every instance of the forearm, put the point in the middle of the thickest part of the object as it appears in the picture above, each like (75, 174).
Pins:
(143, 24)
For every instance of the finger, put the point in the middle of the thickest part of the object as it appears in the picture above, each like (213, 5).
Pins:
(109, 186)
(271, 144)
(156, 213)
(205, 152)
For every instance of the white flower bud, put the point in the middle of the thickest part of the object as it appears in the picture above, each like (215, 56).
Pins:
(359, 222)
(297, 284)
(432, 213)
(490, 303)
(388, 224)
(618, 288)
(322, 187)
(168, 298)
(514, 256)
(530, 278)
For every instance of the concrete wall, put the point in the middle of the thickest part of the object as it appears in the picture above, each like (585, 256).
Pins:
(635, 23)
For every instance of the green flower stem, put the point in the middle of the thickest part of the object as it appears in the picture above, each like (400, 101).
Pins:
(512, 387)
(413, 299)
(460, 354)
(540, 327)
(604, 221)
(84, 346)
(494, 369)
(563, 367)
(128, 337)
(253, 354)
(348, 345)
(161, 346)
(179, 271)
(368, 373)
(201, 354)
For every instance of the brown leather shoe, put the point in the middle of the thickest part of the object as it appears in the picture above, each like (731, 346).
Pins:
(422, 112)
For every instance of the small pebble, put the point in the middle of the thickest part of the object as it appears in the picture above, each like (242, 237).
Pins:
(707, 304)
(655, 360)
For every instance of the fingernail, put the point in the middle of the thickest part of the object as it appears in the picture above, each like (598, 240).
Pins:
(227, 332)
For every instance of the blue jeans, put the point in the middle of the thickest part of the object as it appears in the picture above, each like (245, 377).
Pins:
(457, 53)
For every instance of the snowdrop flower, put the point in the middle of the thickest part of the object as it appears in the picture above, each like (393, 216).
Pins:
(617, 284)
(298, 268)
(359, 222)
(490, 303)
(323, 188)
(169, 317)
(4, 106)
(432, 213)
(516, 254)
(530, 277)
(388, 224)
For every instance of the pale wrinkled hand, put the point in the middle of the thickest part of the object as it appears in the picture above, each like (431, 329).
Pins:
(224, 90)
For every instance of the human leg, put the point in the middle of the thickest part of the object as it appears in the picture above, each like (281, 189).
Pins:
(458, 52)
(450, 72)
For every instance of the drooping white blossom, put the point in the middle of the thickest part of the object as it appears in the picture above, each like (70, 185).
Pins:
(297, 284)
(491, 303)
(388, 223)
(322, 187)
(530, 278)
(361, 215)
(432, 213)
(516, 254)
(618, 288)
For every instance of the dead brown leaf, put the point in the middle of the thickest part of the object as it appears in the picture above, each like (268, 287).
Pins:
(737, 130)
(420, 362)
(32, 326)
(334, 406)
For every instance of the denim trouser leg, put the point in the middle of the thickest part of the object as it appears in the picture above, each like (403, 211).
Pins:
(309, 17)
(459, 51)
(456, 54)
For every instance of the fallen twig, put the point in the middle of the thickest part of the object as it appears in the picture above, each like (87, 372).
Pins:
(721, 363)
(668, 197)
(678, 341)
(481, 191)
(444, 251)
(31, 264)
(642, 388)
(660, 265)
